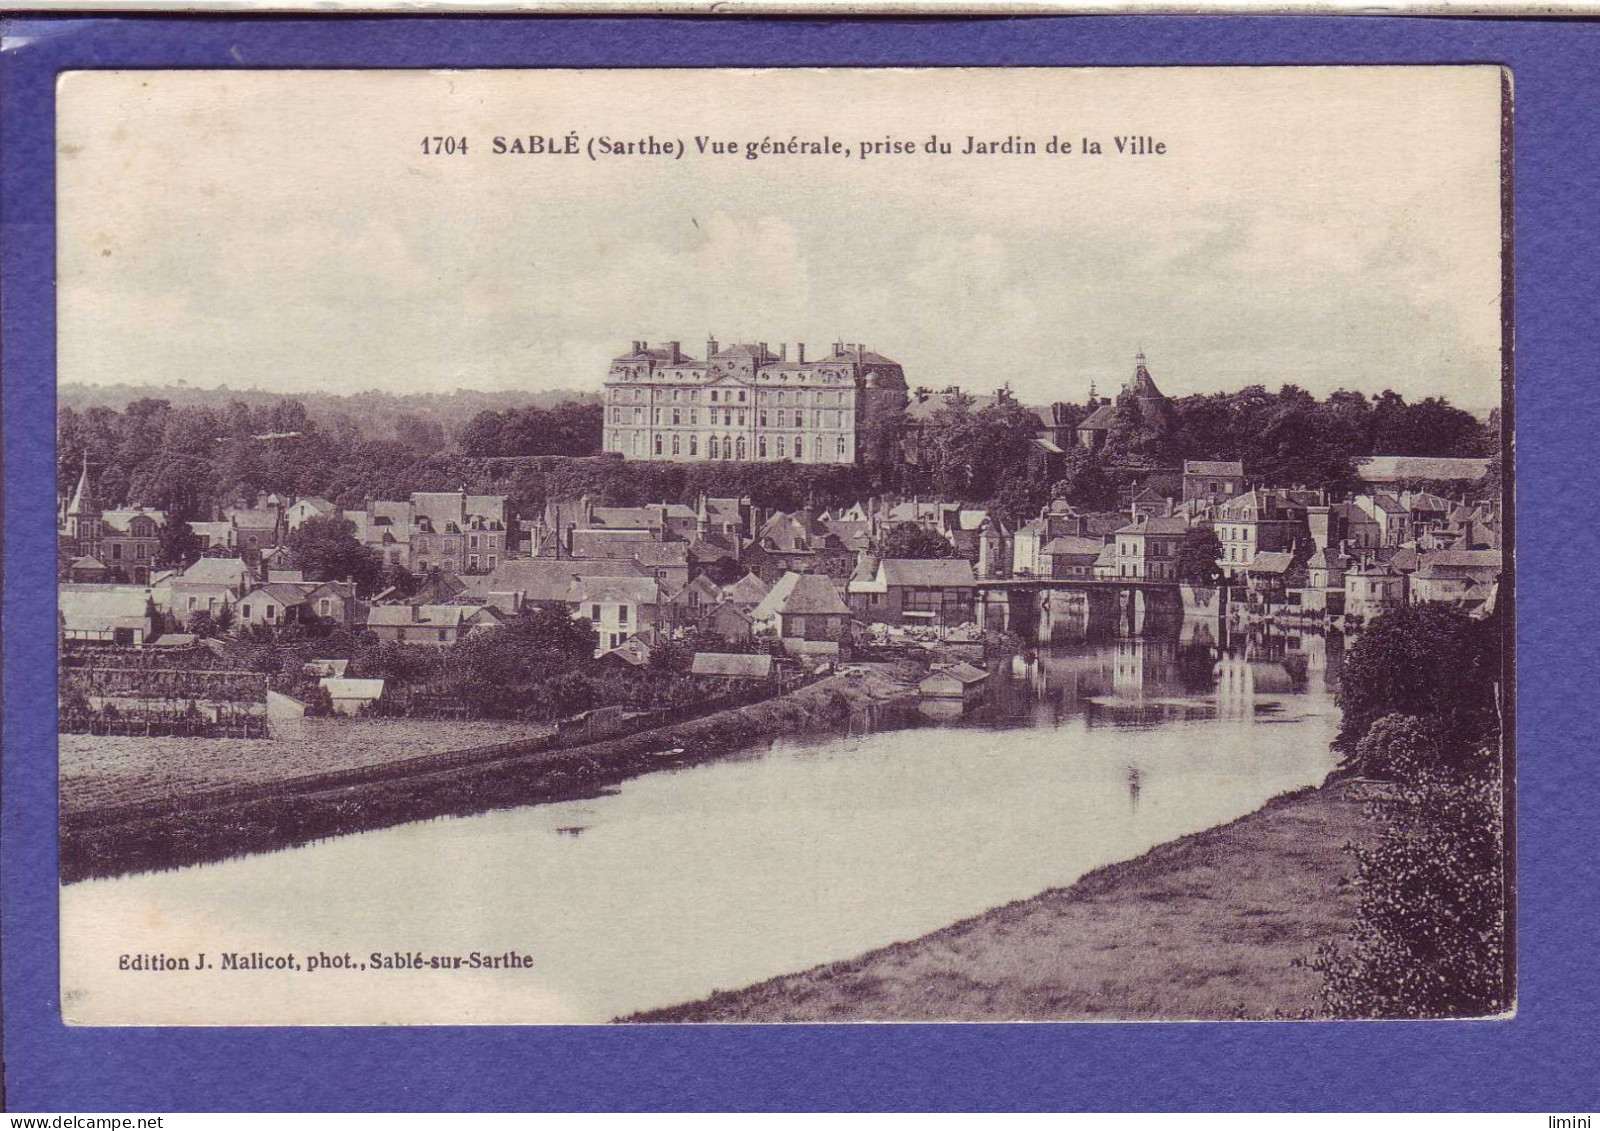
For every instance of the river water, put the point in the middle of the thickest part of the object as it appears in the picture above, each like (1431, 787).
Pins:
(718, 875)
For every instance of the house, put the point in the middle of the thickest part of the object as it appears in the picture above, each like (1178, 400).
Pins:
(961, 682)
(104, 614)
(735, 667)
(1106, 563)
(1147, 549)
(1456, 577)
(209, 585)
(436, 626)
(731, 622)
(633, 652)
(1054, 521)
(1372, 587)
(806, 613)
(667, 562)
(618, 607)
(1392, 517)
(527, 581)
(87, 570)
(332, 602)
(747, 592)
(1070, 557)
(351, 696)
(939, 592)
(1270, 576)
(1260, 520)
(272, 604)
(215, 537)
(797, 543)
(1212, 481)
(309, 507)
(694, 602)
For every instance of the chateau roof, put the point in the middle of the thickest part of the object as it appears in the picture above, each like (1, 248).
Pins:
(1100, 419)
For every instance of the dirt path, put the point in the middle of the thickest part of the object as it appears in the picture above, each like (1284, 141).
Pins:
(1205, 927)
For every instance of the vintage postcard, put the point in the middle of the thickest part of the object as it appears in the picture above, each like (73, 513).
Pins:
(589, 546)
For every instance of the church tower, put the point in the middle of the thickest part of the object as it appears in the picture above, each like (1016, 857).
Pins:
(82, 524)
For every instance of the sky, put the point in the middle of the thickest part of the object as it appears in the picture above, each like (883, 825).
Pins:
(1329, 227)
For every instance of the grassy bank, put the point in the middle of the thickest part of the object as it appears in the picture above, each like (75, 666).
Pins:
(189, 835)
(1209, 926)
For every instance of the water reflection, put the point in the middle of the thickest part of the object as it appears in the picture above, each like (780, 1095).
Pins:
(724, 873)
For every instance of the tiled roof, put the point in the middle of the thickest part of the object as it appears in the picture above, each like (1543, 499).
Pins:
(1100, 419)
(944, 572)
(1222, 468)
(801, 594)
(1156, 524)
(1271, 561)
(1068, 544)
(731, 665)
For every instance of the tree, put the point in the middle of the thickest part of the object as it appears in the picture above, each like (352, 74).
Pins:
(1431, 662)
(1085, 482)
(179, 545)
(1198, 555)
(913, 540)
(326, 549)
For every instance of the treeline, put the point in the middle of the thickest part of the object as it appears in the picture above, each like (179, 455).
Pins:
(189, 459)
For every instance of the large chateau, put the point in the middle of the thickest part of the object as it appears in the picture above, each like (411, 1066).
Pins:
(745, 402)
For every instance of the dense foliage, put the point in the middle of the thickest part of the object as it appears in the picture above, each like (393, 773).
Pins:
(1419, 692)
(1429, 662)
(913, 540)
(189, 458)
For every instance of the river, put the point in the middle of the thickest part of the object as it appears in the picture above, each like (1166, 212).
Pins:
(721, 874)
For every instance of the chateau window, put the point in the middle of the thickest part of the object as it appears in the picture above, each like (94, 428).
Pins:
(713, 396)
(761, 417)
(741, 418)
(655, 416)
(741, 448)
(638, 442)
(816, 419)
(677, 416)
(638, 416)
(816, 447)
(694, 445)
(676, 393)
(694, 416)
(761, 443)
(676, 448)
(782, 396)
(616, 416)
(658, 445)
(841, 447)
(741, 396)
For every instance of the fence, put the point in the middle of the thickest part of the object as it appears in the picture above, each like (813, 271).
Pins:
(428, 763)
(166, 702)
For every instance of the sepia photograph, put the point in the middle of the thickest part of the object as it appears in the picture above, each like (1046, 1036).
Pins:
(765, 546)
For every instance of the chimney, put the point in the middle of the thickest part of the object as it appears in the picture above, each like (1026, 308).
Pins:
(676, 350)
(800, 352)
(711, 347)
(783, 351)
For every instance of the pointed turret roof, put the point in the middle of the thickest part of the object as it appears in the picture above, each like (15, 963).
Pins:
(83, 495)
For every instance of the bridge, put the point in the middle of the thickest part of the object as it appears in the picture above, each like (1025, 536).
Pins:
(1030, 606)
(1086, 584)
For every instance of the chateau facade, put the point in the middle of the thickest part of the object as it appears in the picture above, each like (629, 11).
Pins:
(745, 402)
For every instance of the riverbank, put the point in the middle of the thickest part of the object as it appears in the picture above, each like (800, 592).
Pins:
(1206, 927)
(187, 827)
